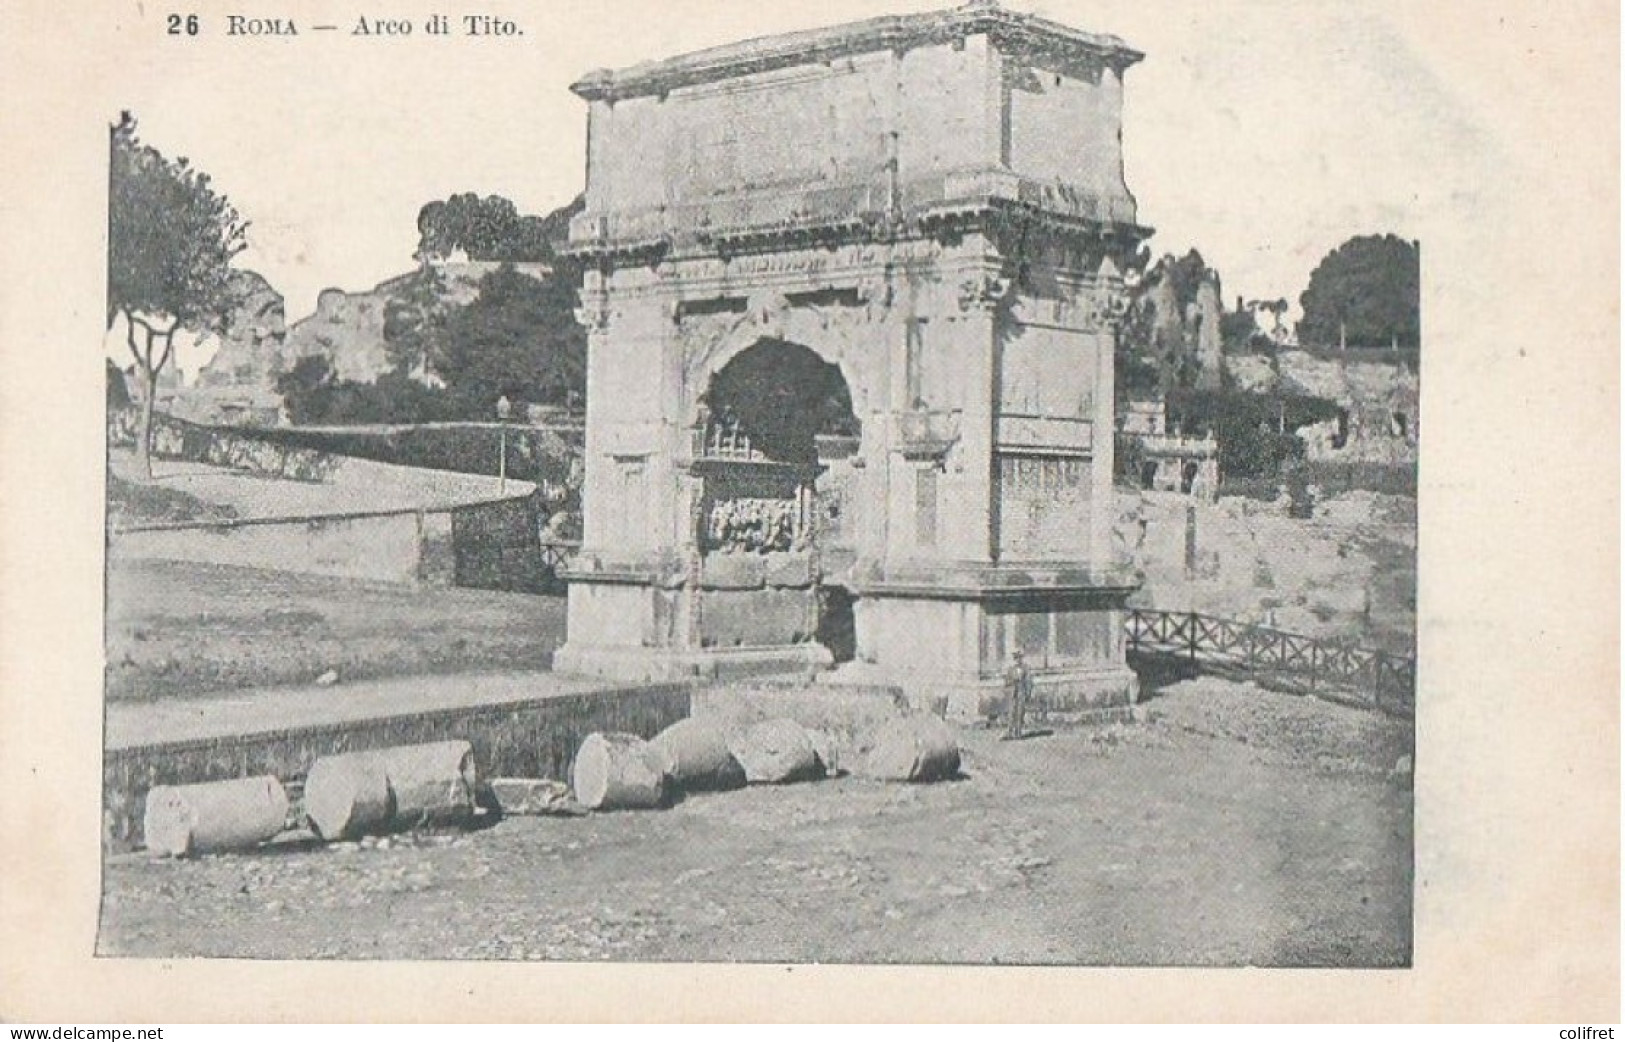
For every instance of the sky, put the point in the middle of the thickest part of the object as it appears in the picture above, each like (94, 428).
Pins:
(1262, 134)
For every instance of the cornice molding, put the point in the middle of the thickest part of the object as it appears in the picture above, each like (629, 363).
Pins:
(897, 33)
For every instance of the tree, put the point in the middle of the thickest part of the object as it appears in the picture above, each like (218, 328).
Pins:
(485, 229)
(491, 229)
(519, 339)
(171, 241)
(415, 319)
(305, 388)
(1367, 292)
(312, 393)
(1256, 432)
(1239, 329)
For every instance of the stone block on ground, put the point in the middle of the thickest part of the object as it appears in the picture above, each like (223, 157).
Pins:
(618, 772)
(347, 797)
(431, 784)
(422, 786)
(535, 797)
(696, 756)
(842, 717)
(182, 820)
(776, 752)
(913, 749)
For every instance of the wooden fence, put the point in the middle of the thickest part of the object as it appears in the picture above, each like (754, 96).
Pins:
(556, 552)
(1316, 665)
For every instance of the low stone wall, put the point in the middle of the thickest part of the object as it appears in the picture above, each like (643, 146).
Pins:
(489, 546)
(174, 438)
(464, 539)
(534, 739)
(398, 547)
(250, 452)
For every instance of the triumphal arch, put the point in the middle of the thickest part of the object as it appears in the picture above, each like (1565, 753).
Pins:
(852, 298)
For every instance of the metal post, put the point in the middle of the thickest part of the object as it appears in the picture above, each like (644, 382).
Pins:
(1190, 541)
(1192, 642)
(504, 408)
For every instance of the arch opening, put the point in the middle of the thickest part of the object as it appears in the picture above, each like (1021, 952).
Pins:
(775, 401)
(780, 443)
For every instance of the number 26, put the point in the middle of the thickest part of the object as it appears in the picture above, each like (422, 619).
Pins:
(176, 23)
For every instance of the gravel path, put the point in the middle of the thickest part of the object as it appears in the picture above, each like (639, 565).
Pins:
(376, 487)
(258, 711)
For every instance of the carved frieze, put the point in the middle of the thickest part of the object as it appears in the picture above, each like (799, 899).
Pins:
(1109, 300)
(983, 292)
(758, 525)
(1106, 308)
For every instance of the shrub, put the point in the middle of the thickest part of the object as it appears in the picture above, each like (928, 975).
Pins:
(313, 395)
(1254, 430)
(1335, 477)
(545, 458)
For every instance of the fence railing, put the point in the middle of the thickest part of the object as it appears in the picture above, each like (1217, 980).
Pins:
(1318, 665)
(556, 554)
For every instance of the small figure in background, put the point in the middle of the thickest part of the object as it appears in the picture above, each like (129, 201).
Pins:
(1018, 686)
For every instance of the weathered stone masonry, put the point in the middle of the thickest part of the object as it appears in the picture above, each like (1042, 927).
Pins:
(934, 206)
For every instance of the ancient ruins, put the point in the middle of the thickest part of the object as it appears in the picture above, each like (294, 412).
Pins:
(852, 297)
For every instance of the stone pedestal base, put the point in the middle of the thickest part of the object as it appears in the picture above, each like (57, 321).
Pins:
(672, 664)
(642, 622)
(947, 635)
(968, 698)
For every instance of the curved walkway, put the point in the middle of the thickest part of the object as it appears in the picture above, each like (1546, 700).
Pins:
(363, 486)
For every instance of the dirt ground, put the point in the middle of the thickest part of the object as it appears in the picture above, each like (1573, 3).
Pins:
(1232, 827)
(176, 629)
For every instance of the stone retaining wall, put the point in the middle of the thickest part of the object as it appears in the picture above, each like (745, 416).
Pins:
(466, 538)
(534, 739)
(489, 546)
(400, 547)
